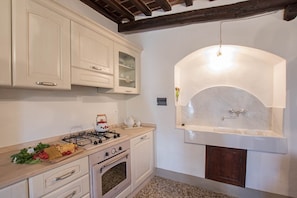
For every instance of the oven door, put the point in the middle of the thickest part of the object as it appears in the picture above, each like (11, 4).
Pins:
(112, 176)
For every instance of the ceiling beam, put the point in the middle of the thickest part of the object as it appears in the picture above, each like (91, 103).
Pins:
(164, 4)
(226, 12)
(121, 9)
(290, 12)
(99, 9)
(189, 2)
(140, 5)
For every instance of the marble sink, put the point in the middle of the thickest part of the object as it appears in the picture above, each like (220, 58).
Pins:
(256, 140)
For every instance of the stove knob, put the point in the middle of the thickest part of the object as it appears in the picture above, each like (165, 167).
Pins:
(95, 142)
(120, 148)
(118, 135)
(100, 141)
(106, 154)
(115, 136)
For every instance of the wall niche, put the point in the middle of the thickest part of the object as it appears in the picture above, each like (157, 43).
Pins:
(242, 92)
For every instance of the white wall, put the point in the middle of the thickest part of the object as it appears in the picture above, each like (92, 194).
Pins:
(164, 48)
(28, 115)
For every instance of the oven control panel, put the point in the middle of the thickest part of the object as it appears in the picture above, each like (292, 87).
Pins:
(109, 152)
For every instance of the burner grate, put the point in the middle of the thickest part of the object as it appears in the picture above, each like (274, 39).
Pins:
(84, 138)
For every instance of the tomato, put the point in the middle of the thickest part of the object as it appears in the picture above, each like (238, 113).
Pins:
(41, 155)
(66, 153)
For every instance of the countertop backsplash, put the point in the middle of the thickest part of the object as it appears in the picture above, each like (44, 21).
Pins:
(229, 107)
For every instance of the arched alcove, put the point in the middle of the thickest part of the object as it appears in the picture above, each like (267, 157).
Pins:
(240, 92)
(260, 73)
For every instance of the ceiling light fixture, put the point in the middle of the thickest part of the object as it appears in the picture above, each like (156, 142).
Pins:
(125, 20)
(219, 53)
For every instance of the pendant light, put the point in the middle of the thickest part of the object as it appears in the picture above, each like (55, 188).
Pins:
(219, 53)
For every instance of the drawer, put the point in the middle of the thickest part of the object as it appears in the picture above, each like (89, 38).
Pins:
(51, 180)
(75, 189)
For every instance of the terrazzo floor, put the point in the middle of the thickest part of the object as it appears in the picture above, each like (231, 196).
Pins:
(160, 187)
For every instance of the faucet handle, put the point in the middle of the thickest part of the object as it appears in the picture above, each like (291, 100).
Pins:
(237, 112)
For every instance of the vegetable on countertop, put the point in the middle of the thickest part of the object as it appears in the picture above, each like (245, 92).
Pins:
(30, 155)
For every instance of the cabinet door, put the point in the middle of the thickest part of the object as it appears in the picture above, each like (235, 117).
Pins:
(91, 57)
(226, 165)
(5, 42)
(127, 70)
(142, 159)
(19, 190)
(41, 46)
(90, 50)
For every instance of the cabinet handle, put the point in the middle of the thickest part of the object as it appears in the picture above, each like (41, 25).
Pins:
(52, 84)
(96, 68)
(71, 195)
(128, 91)
(65, 176)
(143, 137)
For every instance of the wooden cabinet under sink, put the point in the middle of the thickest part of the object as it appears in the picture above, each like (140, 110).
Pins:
(227, 165)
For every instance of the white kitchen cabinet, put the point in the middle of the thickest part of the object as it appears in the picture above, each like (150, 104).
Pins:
(75, 189)
(5, 42)
(142, 159)
(86, 196)
(91, 57)
(71, 178)
(40, 46)
(19, 190)
(127, 70)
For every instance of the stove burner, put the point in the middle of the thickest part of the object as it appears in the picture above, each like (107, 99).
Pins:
(91, 137)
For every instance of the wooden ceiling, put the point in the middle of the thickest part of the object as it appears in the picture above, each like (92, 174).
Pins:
(124, 12)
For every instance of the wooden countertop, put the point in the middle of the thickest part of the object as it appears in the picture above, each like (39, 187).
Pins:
(11, 173)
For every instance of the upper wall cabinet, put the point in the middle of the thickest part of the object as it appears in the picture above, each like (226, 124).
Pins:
(5, 42)
(41, 46)
(127, 70)
(91, 57)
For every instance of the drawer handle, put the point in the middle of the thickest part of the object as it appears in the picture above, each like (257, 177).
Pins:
(71, 195)
(143, 137)
(65, 176)
(52, 84)
(96, 68)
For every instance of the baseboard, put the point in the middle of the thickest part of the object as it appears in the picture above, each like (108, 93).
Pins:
(215, 186)
(141, 186)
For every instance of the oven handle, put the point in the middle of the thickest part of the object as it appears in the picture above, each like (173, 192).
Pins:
(115, 159)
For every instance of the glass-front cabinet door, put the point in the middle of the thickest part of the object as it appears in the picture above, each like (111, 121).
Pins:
(127, 66)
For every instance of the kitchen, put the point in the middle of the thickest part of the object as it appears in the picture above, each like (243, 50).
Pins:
(29, 114)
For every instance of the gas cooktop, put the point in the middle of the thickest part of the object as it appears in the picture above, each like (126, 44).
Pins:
(89, 139)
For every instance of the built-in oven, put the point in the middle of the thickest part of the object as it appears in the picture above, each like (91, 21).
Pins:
(110, 171)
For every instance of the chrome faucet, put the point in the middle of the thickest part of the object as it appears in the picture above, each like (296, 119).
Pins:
(237, 112)
(234, 113)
